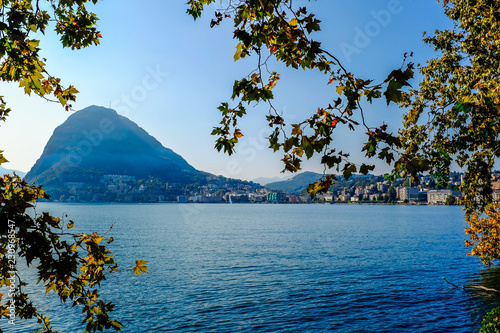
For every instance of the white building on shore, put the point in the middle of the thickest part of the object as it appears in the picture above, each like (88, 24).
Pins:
(438, 197)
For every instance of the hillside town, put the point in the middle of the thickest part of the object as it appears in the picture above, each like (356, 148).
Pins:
(359, 189)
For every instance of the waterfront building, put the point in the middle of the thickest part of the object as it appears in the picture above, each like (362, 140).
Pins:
(408, 193)
(276, 197)
(182, 198)
(438, 197)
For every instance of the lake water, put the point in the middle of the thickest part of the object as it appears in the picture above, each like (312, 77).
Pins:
(284, 268)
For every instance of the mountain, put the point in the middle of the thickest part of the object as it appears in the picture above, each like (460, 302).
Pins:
(4, 171)
(301, 181)
(97, 141)
(296, 184)
(264, 180)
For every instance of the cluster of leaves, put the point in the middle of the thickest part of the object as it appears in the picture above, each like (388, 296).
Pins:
(454, 115)
(72, 265)
(491, 322)
(484, 232)
(273, 29)
(19, 54)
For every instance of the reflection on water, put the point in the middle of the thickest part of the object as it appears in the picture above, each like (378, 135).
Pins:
(287, 268)
(489, 277)
(484, 300)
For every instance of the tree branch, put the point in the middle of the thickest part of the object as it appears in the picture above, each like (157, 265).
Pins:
(473, 287)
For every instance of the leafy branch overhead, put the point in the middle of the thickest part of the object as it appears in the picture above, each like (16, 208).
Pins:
(460, 95)
(72, 265)
(452, 115)
(275, 29)
(19, 54)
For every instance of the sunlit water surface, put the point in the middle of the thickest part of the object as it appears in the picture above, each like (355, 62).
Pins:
(282, 268)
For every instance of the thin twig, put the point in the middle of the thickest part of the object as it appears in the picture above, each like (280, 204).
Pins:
(454, 285)
(472, 287)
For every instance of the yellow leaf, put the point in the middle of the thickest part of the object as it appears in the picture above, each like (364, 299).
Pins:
(237, 54)
(296, 130)
(4, 312)
(140, 267)
(340, 89)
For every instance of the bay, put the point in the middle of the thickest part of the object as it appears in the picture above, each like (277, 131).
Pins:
(283, 268)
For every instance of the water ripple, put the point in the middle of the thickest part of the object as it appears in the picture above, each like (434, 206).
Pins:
(297, 268)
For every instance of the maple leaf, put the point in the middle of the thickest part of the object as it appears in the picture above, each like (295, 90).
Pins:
(140, 266)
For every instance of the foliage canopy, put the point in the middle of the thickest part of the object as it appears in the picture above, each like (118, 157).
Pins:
(452, 116)
(276, 29)
(70, 264)
(460, 95)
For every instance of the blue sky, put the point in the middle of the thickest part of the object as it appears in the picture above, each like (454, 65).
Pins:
(167, 73)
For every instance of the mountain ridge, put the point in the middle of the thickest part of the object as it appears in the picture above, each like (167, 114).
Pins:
(296, 184)
(266, 180)
(96, 141)
(4, 171)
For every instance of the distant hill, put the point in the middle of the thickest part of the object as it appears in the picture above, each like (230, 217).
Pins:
(301, 181)
(4, 171)
(97, 141)
(296, 184)
(264, 180)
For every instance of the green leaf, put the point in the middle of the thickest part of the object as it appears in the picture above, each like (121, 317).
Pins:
(290, 143)
(393, 94)
(349, 169)
(331, 161)
(364, 169)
